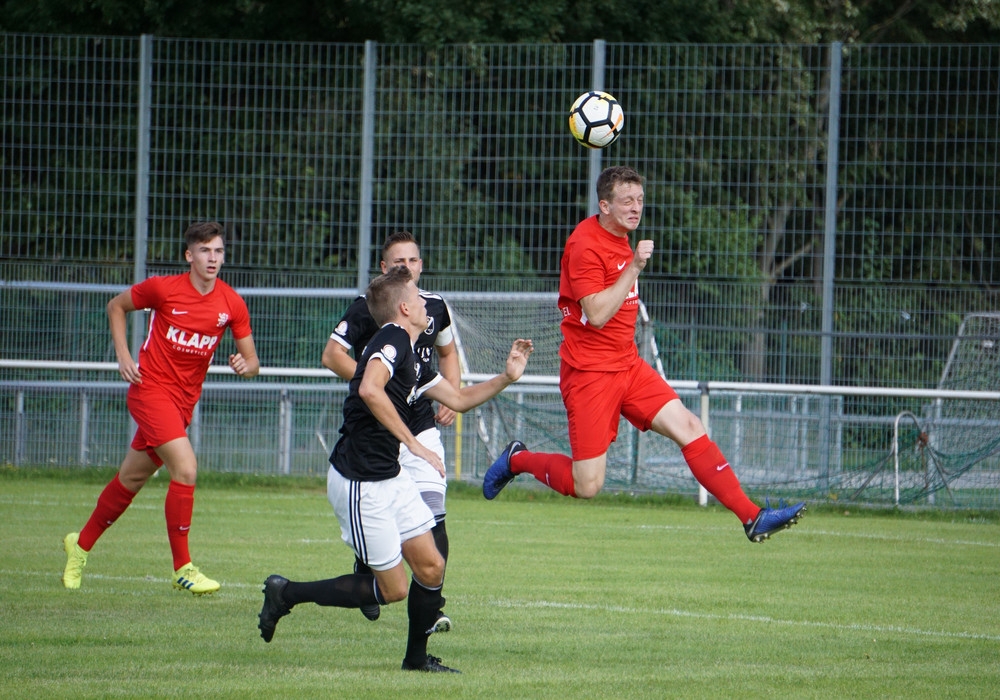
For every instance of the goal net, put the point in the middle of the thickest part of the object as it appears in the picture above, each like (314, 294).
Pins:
(957, 447)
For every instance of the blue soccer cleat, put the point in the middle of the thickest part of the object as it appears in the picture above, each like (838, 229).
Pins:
(770, 520)
(499, 473)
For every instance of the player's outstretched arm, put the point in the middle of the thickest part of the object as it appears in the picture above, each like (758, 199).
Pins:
(468, 397)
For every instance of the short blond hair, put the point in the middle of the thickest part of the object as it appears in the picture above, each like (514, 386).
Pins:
(386, 292)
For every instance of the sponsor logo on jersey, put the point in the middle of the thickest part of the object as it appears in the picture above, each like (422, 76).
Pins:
(430, 326)
(175, 312)
(194, 340)
(622, 264)
(341, 329)
(633, 296)
(389, 352)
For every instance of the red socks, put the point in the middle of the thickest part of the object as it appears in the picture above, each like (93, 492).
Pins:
(177, 508)
(712, 471)
(553, 470)
(113, 501)
(703, 457)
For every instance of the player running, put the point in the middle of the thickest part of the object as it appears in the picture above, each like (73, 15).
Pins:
(381, 513)
(353, 332)
(602, 376)
(190, 313)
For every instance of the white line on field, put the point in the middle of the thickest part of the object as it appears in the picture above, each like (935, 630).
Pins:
(851, 627)
(495, 602)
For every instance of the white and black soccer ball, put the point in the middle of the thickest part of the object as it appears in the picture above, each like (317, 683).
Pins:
(596, 119)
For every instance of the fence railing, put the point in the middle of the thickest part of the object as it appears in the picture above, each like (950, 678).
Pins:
(780, 439)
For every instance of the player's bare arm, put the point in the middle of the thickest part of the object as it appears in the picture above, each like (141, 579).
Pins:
(600, 307)
(118, 309)
(469, 397)
(372, 392)
(338, 360)
(245, 361)
(449, 368)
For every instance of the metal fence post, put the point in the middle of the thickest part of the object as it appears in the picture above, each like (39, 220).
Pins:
(367, 166)
(144, 121)
(84, 428)
(594, 158)
(829, 253)
(703, 388)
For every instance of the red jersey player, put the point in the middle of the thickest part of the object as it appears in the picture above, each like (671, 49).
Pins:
(602, 376)
(190, 313)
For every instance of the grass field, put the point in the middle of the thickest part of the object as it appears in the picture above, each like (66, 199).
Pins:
(551, 598)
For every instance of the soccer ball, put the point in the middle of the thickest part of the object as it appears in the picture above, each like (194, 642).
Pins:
(596, 119)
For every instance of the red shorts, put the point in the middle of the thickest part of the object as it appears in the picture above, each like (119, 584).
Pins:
(158, 418)
(596, 400)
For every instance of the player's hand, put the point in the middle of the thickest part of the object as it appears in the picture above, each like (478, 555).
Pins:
(517, 360)
(643, 251)
(444, 416)
(429, 456)
(238, 364)
(129, 370)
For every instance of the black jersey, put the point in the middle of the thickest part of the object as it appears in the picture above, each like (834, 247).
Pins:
(356, 328)
(366, 450)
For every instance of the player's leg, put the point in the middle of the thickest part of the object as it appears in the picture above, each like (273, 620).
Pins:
(365, 513)
(593, 404)
(178, 508)
(704, 458)
(347, 591)
(424, 602)
(651, 403)
(433, 489)
(114, 500)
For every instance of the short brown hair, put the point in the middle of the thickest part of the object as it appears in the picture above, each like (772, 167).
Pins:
(386, 292)
(397, 237)
(203, 232)
(614, 176)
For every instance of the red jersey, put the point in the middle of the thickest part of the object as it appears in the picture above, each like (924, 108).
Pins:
(184, 331)
(592, 261)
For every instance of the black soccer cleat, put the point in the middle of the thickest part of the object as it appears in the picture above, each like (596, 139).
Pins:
(431, 665)
(372, 611)
(274, 607)
(442, 624)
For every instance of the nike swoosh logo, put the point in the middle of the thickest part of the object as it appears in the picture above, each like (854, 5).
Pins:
(175, 312)
(182, 528)
(621, 266)
(721, 467)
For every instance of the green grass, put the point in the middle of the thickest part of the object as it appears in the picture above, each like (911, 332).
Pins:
(551, 598)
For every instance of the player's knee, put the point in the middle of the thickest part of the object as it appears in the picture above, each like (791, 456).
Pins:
(587, 489)
(394, 593)
(431, 571)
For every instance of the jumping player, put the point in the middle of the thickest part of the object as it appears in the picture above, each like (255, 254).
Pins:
(603, 377)
(190, 313)
(380, 511)
(352, 333)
